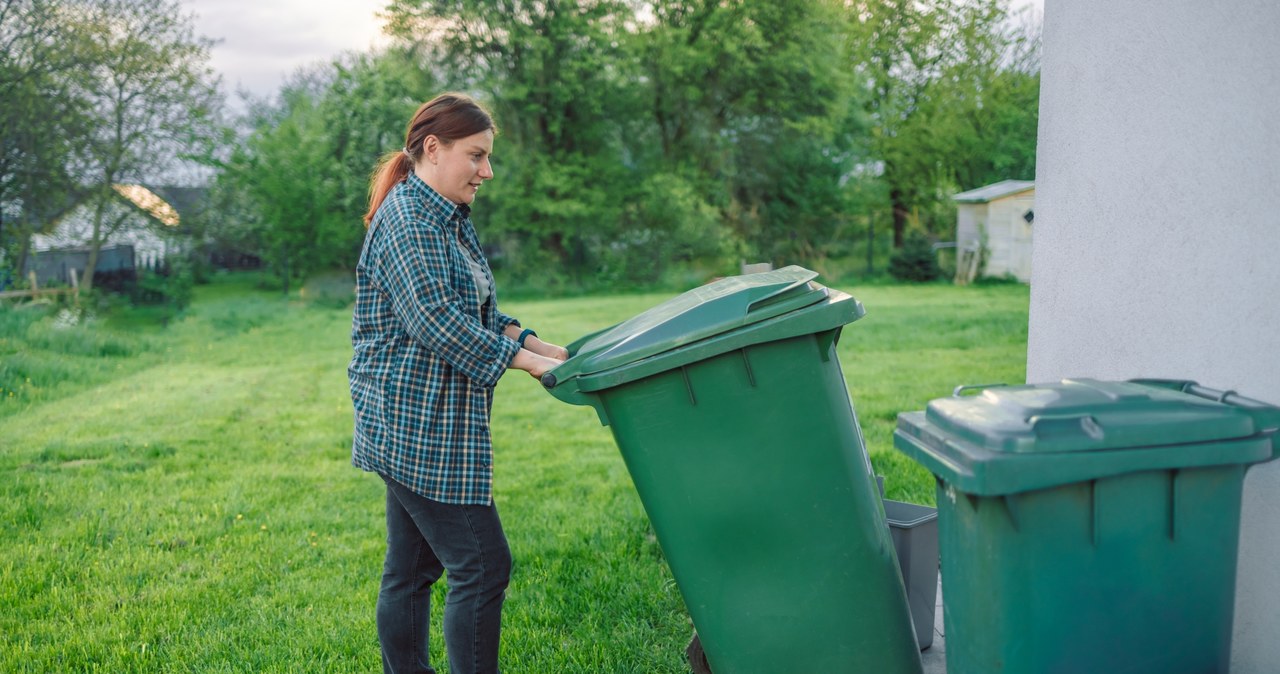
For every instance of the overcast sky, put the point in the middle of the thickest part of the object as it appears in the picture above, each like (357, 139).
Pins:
(261, 42)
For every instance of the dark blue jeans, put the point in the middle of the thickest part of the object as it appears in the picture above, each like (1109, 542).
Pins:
(424, 539)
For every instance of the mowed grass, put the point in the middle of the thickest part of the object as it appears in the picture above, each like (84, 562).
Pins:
(181, 500)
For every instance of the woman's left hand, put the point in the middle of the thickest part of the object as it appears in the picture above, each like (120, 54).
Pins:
(546, 349)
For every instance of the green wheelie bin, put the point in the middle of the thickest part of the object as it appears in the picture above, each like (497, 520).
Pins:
(731, 413)
(1089, 526)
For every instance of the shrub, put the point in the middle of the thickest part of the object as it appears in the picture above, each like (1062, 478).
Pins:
(916, 261)
(331, 289)
(171, 286)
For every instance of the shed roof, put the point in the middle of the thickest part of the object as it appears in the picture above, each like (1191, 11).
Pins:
(166, 203)
(994, 191)
(187, 201)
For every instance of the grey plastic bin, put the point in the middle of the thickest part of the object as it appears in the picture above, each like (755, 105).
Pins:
(915, 538)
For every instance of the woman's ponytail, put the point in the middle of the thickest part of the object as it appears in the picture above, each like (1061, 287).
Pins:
(391, 169)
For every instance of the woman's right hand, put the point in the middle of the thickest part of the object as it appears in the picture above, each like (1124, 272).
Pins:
(535, 364)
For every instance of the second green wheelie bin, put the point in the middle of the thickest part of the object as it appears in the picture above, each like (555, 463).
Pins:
(731, 413)
(1089, 526)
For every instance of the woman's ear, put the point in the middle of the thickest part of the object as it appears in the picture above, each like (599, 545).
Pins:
(430, 148)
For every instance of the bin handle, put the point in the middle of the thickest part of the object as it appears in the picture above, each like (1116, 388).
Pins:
(1266, 415)
(959, 390)
(1227, 397)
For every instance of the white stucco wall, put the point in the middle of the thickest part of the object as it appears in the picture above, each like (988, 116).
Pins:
(1157, 233)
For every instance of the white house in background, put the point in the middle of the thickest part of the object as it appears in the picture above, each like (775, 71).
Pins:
(996, 218)
(148, 217)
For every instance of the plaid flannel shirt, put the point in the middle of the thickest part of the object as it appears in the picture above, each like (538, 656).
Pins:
(427, 355)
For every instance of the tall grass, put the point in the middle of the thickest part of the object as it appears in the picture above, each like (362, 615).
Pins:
(182, 500)
(47, 350)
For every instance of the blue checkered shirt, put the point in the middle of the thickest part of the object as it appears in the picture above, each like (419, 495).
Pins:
(427, 354)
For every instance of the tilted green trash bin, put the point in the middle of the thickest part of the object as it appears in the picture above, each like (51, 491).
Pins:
(731, 413)
(1089, 526)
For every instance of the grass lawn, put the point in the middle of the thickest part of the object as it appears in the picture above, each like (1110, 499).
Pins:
(181, 500)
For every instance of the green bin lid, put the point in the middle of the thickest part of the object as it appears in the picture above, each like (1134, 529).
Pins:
(1084, 415)
(708, 320)
(716, 308)
(1016, 438)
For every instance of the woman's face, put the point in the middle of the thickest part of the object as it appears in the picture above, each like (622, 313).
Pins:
(457, 170)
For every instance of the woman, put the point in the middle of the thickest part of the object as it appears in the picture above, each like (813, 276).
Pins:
(430, 345)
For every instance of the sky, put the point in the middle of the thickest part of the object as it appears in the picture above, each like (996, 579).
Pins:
(261, 42)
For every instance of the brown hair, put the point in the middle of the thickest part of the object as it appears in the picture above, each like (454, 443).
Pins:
(449, 116)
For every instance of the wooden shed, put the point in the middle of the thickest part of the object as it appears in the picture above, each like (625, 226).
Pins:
(995, 221)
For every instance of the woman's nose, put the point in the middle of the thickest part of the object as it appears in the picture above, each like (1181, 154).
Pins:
(486, 169)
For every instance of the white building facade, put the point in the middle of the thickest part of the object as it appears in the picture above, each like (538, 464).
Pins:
(1155, 118)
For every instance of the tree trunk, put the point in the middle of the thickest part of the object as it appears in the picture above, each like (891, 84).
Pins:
(556, 244)
(871, 245)
(900, 213)
(23, 239)
(24, 248)
(86, 282)
(95, 245)
(284, 263)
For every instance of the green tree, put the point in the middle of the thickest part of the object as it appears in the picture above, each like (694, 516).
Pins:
(754, 101)
(995, 131)
(153, 98)
(43, 48)
(954, 98)
(285, 172)
(306, 161)
(739, 110)
(365, 107)
(560, 91)
(635, 134)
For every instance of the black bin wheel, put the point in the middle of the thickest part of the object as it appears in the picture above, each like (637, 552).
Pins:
(697, 659)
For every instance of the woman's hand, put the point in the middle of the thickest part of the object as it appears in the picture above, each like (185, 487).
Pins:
(542, 348)
(534, 363)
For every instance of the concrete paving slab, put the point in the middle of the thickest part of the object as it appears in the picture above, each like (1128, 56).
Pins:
(935, 656)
